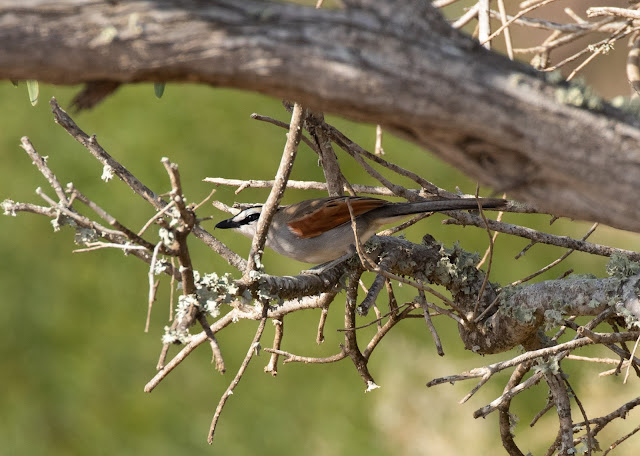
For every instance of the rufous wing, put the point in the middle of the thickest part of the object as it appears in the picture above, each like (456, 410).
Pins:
(333, 213)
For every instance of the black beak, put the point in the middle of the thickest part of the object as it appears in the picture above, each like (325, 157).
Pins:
(226, 224)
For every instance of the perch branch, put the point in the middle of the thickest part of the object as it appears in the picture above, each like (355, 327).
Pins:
(270, 206)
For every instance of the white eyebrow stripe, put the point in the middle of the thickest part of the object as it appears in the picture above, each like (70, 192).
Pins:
(246, 214)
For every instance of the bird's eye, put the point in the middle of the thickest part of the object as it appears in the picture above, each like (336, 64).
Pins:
(252, 217)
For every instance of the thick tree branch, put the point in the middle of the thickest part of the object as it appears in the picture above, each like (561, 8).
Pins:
(394, 64)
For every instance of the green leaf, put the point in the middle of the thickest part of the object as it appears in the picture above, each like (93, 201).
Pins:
(158, 88)
(34, 91)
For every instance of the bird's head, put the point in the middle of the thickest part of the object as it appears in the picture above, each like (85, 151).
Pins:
(244, 222)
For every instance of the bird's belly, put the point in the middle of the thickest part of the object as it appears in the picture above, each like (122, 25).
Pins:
(314, 251)
(320, 249)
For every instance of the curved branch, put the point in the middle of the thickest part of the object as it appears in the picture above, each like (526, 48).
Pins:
(398, 65)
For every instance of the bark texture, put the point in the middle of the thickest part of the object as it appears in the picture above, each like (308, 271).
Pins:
(397, 64)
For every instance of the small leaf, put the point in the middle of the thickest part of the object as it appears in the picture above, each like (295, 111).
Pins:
(34, 91)
(158, 89)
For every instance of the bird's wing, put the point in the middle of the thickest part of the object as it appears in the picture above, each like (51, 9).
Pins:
(331, 213)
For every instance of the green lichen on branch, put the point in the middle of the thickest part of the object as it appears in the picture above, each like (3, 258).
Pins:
(213, 290)
(575, 92)
(630, 105)
(511, 308)
(8, 207)
(85, 236)
(621, 267)
(457, 270)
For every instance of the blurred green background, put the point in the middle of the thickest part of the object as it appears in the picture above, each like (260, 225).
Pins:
(74, 354)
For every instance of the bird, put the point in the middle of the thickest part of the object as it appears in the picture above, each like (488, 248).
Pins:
(319, 230)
